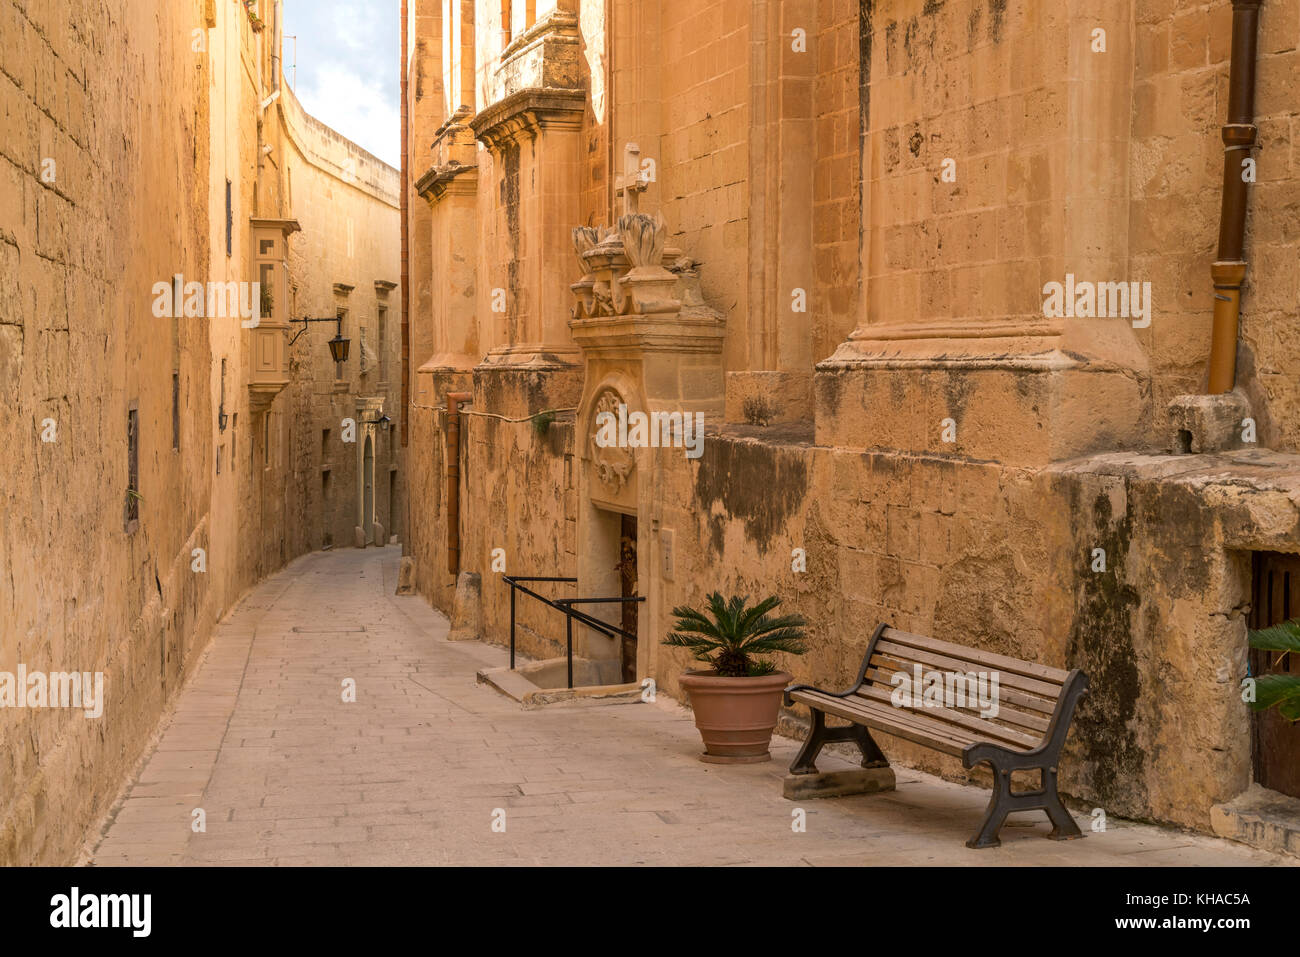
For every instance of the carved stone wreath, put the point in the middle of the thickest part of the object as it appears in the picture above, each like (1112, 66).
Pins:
(612, 463)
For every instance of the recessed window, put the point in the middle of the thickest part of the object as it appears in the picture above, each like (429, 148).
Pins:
(383, 343)
(176, 411)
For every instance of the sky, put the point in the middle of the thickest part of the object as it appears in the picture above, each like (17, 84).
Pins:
(347, 74)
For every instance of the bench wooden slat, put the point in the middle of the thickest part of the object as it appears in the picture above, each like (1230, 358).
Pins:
(838, 707)
(981, 728)
(906, 656)
(1029, 669)
(1035, 719)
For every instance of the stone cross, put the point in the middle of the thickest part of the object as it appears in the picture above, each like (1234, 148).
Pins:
(631, 184)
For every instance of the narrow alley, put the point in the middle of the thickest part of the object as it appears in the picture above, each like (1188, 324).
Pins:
(417, 769)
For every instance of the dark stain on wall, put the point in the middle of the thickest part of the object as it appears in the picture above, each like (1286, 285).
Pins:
(957, 390)
(757, 484)
(1101, 644)
(418, 58)
(973, 26)
(866, 10)
(510, 201)
(830, 384)
(997, 11)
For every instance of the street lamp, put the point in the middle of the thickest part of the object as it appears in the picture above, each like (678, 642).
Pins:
(338, 345)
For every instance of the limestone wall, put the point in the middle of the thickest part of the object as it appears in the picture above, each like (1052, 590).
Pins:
(114, 98)
(825, 170)
(124, 126)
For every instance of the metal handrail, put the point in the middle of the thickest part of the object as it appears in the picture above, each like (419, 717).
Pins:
(564, 605)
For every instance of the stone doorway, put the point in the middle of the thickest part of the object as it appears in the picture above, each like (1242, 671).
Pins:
(391, 526)
(628, 578)
(1274, 741)
(368, 493)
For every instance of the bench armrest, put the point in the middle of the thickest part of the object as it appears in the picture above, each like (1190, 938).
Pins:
(862, 672)
(1049, 751)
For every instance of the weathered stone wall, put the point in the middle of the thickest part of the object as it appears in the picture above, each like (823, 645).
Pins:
(146, 112)
(114, 96)
(1181, 54)
(1104, 164)
(1003, 559)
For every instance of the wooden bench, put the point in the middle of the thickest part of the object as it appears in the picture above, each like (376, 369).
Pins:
(1034, 706)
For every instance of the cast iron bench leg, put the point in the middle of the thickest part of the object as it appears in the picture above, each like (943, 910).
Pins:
(999, 808)
(1004, 801)
(805, 762)
(1063, 826)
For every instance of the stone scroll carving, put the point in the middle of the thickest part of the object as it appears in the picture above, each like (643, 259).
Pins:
(612, 463)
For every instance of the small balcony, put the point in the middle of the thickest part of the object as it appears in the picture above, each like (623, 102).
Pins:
(268, 333)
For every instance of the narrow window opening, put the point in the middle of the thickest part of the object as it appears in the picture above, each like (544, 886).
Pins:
(176, 411)
(132, 467)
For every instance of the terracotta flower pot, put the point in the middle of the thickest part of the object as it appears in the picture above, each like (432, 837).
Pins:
(736, 716)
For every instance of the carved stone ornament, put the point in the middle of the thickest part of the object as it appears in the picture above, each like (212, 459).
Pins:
(612, 463)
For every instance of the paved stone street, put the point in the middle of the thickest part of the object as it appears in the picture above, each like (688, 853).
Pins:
(286, 772)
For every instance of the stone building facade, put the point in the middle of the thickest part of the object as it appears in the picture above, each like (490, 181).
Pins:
(159, 464)
(851, 213)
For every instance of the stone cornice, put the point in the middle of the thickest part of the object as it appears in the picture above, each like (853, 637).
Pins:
(559, 24)
(286, 226)
(631, 334)
(528, 113)
(454, 178)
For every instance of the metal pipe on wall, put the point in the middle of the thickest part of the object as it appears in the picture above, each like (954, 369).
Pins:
(405, 214)
(1229, 268)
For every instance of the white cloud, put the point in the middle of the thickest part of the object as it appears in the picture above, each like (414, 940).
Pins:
(347, 66)
(355, 106)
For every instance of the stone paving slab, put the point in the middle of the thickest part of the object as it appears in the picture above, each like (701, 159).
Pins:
(417, 768)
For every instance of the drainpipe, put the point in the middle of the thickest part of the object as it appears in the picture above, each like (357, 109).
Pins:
(276, 42)
(454, 399)
(1229, 268)
(406, 275)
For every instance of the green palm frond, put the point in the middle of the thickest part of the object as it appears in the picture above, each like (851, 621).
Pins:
(1280, 691)
(729, 633)
(1284, 637)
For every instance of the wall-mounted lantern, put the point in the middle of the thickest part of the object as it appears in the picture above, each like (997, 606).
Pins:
(338, 345)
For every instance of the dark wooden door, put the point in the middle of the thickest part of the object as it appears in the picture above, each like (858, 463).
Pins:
(627, 575)
(1275, 742)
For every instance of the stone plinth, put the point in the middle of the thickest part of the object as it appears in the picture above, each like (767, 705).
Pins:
(825, 784)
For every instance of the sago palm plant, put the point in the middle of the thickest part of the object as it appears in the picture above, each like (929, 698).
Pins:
(729, 634)
(1280, 691)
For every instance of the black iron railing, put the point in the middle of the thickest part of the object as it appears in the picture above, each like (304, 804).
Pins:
(565, 607)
